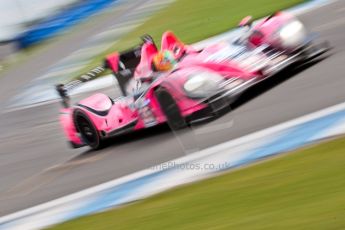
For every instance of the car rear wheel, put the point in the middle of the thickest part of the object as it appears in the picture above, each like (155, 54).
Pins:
(87, 130)
(170, 109)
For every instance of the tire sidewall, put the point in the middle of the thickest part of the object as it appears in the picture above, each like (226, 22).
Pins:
(174, 118)
(80, 114)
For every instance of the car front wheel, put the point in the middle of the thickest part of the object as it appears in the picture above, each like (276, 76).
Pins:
(170, 109)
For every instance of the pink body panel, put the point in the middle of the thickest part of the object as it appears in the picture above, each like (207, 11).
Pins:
(265, 29)
(226, 67)
(119, 115)
(144, 69)
(173, 83)
(113, 60)
(66, 121)
(98, 102)
(172, 43)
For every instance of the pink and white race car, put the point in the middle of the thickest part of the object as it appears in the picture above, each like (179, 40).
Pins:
(202, 83)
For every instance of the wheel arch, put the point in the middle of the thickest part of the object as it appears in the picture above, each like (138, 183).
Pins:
(96, 141)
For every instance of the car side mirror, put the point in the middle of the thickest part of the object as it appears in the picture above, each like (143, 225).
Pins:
(247, 21)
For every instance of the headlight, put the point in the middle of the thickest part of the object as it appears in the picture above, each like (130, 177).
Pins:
(292, 34)
(202, 84)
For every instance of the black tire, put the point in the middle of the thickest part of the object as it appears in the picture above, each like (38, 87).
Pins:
(170, 109)
(87, 130)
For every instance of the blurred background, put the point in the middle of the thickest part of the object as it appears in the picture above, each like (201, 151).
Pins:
(24, 23)
(46, 42)
(17, 16)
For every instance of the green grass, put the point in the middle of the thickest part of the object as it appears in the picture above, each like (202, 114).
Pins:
(194, 20)
(301, 190)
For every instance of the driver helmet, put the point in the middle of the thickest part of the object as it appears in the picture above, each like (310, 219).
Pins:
(164, 61)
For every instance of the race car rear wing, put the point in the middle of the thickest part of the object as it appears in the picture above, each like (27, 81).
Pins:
(122, 65)
(63, 89)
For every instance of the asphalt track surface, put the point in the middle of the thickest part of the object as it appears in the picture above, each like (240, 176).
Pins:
(36, 165)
